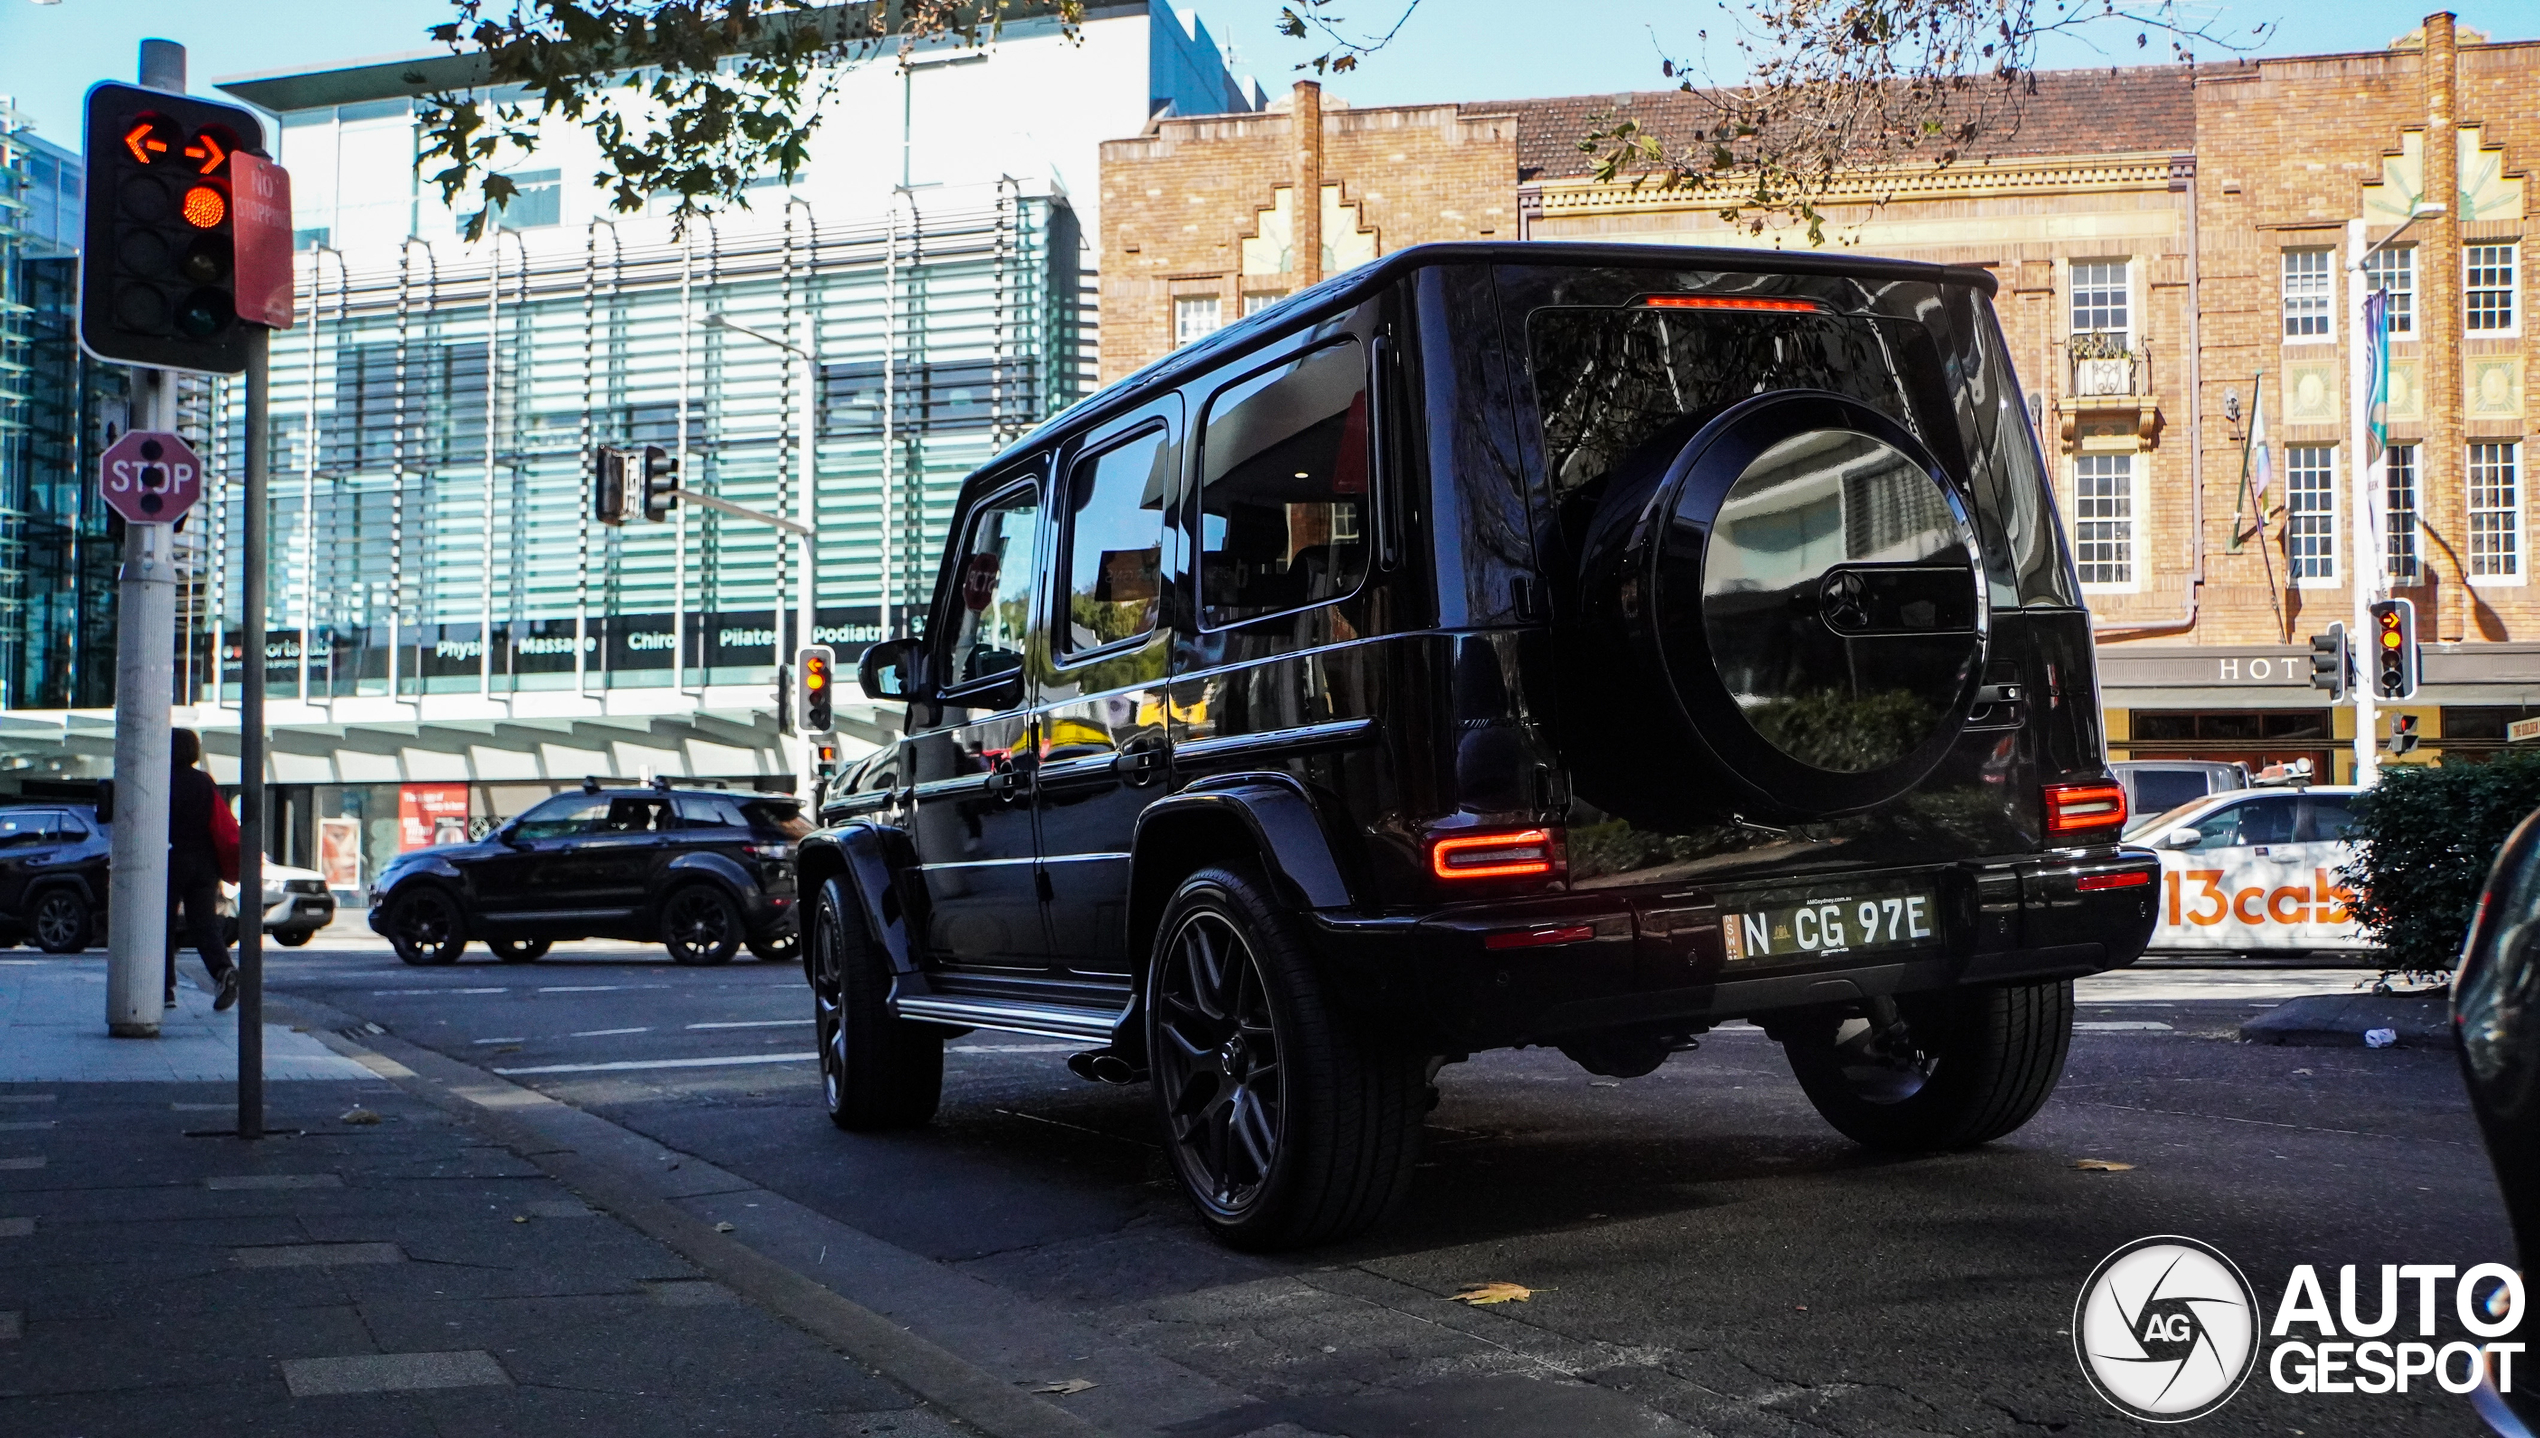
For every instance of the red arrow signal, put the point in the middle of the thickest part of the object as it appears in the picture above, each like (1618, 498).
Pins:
(143, 139)
(206, 149)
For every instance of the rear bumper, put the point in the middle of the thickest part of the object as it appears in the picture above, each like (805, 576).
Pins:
(1650, 960)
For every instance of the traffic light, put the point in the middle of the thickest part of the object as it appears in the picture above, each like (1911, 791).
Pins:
(816, 674)
(608, 486)
(2394, 649)
(661, 482)
(157, 265)
(2332, 666)
(2403, 733)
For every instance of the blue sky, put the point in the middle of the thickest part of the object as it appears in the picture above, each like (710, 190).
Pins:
(1450, 50)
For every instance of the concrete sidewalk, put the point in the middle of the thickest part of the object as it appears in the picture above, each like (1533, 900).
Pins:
(378, 1267)
(53, 1028)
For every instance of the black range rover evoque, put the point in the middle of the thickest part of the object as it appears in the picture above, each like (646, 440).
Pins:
(1496, 645)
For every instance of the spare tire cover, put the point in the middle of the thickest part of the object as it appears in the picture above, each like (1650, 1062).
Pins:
(1802, 583)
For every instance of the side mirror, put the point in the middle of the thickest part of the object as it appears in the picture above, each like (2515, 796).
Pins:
(2182, 837)
(105, 801)
(509, 835)
(893, 669)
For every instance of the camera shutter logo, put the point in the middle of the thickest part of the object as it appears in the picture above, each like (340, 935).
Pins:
(2166, 1329)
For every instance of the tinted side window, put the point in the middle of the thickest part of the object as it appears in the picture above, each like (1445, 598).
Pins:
(1115, 540)
(2330, 818)
(775, 816)
(992, 589)
(2157, 790)
(706, 811)
(630, 815)
(562, 817)
(1283, 499)
(2257, 821)
(32, 826)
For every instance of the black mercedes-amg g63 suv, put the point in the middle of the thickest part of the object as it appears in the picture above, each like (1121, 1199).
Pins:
(1498, 644)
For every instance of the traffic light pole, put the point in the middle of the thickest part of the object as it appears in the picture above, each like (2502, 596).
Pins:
(145, 648)
(251, 750)
(2367, 571)
(810, 540)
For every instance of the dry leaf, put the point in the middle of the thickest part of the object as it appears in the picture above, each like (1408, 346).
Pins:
(2101, 1165)
(520, 1218)
(1481, 1293)
(1064, 1386)
(360, 1116)
(723, 1228)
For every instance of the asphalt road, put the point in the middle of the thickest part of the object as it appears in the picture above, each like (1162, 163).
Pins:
(1705, 1255)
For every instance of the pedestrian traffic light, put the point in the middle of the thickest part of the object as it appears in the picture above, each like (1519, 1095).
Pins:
(2332, 665)
(2403, 733)
(661, 482)
(157, 264)
(608, 485)
(816, 673)
(2394, 649)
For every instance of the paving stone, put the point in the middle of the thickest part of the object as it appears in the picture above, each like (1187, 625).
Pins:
(316, 1255)
(24, 1164)
(12, 1324)
(226, 1183)
(689, 1292)
(393, 1372)
(16, 1227)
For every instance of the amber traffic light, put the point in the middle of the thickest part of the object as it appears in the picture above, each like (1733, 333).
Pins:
(157, 265)
(816, 672)
(2394, 649)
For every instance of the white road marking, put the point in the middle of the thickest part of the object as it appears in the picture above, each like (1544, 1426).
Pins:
(502, 1041)
(2111, 1026)
(753, 1024)
(378, 992)
(580, 988)
(623, 1065)
(605, 1033)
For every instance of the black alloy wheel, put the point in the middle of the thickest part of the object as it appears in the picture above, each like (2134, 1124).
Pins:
(1288, 1122)
(1219, 1064)
(781, 949)
(60, 922)
(1935, 1071)
(699, 925)
(876, 1071)
(426, 927)
(520, 951)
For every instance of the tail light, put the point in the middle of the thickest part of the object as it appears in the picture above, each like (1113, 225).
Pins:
(2131, 879)
(1497, 854)
(2073, 810)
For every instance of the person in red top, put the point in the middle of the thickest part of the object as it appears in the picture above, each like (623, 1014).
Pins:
(202, 851)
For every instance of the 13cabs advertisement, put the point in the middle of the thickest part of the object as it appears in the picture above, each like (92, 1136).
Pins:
(2255, 871)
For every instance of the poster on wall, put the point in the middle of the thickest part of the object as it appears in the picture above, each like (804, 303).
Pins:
(429, 814)
(340, 852)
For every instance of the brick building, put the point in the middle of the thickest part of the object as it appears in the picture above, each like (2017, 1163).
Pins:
(2171, 248)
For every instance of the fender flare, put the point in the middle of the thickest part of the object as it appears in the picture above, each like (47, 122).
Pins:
(873, 860)
(1278, 816)
(716, 868)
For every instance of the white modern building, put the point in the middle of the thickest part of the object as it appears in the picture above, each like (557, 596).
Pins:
(448, 628)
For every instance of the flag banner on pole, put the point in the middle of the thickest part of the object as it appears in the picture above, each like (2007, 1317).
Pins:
(2377, 365)
(2261, 463)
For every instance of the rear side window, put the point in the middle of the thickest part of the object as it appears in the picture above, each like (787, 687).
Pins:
(1284, 492)
(2158, 789)
(775, 816)
(706, 811)
(2331, 819)
(1115, 540)
(35, 826)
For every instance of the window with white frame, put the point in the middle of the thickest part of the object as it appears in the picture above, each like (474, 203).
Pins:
(2394, 273)
(2401, 510)
(1195, 316)
(2103, 518)
(2310, 503)
(2100, 298)
(2487, 289)
(2308, 294)
(2495, 512)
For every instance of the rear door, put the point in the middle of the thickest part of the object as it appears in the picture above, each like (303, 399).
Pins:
(618, 869)
(1103, 755)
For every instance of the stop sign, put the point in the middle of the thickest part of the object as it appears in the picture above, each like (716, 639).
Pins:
(150, 477)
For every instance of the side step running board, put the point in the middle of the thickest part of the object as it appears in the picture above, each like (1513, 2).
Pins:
(1049, 1021)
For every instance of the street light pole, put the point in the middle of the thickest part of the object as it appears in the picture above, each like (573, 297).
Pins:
(2368, 476)
(804, 527)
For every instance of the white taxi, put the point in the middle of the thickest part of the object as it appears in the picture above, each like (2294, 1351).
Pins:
(2255, 871)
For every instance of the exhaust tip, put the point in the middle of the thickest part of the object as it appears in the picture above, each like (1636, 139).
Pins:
(1104, 1066)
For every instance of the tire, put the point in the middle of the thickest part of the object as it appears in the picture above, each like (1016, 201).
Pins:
(293, 938)
(876, 1071)
(1316, 1142)
(426, 927)
(1983, 1061)
(700, 925)
(520, 951)
(60, 922)
(783, 949)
